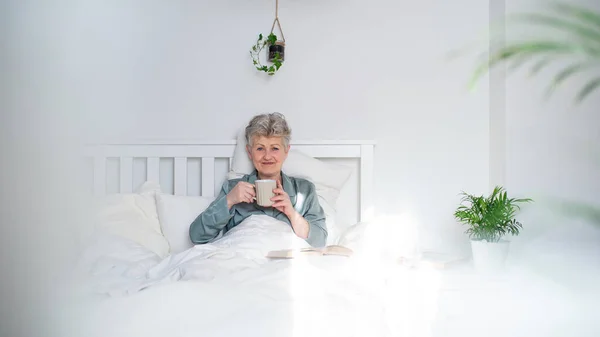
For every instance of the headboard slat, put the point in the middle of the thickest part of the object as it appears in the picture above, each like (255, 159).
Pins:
(99, 175)
(126, 174)
(367, 207)
(153, 169)
(208, 177)
(180, 179)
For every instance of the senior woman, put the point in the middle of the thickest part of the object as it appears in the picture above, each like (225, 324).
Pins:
(267, 144)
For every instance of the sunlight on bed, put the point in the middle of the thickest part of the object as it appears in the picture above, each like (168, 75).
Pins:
(371, 293)
(413, 304)
(390, 247)
(299, 302)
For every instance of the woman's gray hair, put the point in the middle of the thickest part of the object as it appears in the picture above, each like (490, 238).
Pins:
(268, 125)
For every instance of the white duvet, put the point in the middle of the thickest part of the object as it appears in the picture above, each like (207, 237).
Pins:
(227, 288)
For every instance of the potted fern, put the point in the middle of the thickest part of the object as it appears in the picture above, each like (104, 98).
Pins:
(489, 220)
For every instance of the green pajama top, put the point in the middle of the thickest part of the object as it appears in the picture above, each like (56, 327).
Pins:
(217, 217)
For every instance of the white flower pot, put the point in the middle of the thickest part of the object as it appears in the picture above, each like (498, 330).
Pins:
(489, 256)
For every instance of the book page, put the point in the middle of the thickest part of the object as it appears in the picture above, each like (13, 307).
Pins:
(280, 254)
(291, 253)
(337, 250)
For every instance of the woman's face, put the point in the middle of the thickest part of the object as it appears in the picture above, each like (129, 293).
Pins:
(268, 154)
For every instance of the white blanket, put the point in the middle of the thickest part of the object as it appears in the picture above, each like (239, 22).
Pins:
(229, 288)
(121, 267)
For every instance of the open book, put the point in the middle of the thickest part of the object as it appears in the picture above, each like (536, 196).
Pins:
(292, 253)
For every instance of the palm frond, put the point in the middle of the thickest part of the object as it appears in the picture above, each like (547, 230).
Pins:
(539, 65)
(574, 35)
(574, 29)
(588, 89)
(567, 72)
(518, 62)
(523, 49)
(580, 13)
(577, 209)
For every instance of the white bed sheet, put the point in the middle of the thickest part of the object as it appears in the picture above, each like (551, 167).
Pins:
(227, 288)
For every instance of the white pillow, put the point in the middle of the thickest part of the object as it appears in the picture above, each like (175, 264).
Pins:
(176, 213)
(132, 216)
(240, 162)
(333, 231)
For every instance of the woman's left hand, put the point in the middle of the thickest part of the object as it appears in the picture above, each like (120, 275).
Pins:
(282, 202)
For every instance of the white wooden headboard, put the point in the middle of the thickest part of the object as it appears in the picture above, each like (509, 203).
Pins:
(206, 154)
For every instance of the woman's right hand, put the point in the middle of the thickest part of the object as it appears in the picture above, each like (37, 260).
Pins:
(242, 192)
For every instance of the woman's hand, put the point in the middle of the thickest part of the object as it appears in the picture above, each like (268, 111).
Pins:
(282, 202)
(242, 192)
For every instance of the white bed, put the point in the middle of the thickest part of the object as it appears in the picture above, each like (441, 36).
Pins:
(138, 275)
(133, 284)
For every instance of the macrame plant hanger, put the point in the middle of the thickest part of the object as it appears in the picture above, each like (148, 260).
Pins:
(275, 48)
(279, 45)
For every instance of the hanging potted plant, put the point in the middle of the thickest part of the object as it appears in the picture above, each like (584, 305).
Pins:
(275, 53)
(489, 220)
(275, 48)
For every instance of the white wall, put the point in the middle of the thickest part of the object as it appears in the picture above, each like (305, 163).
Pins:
(353, 69)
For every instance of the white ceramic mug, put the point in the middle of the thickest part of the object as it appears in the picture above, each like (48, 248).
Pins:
(264, 192)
